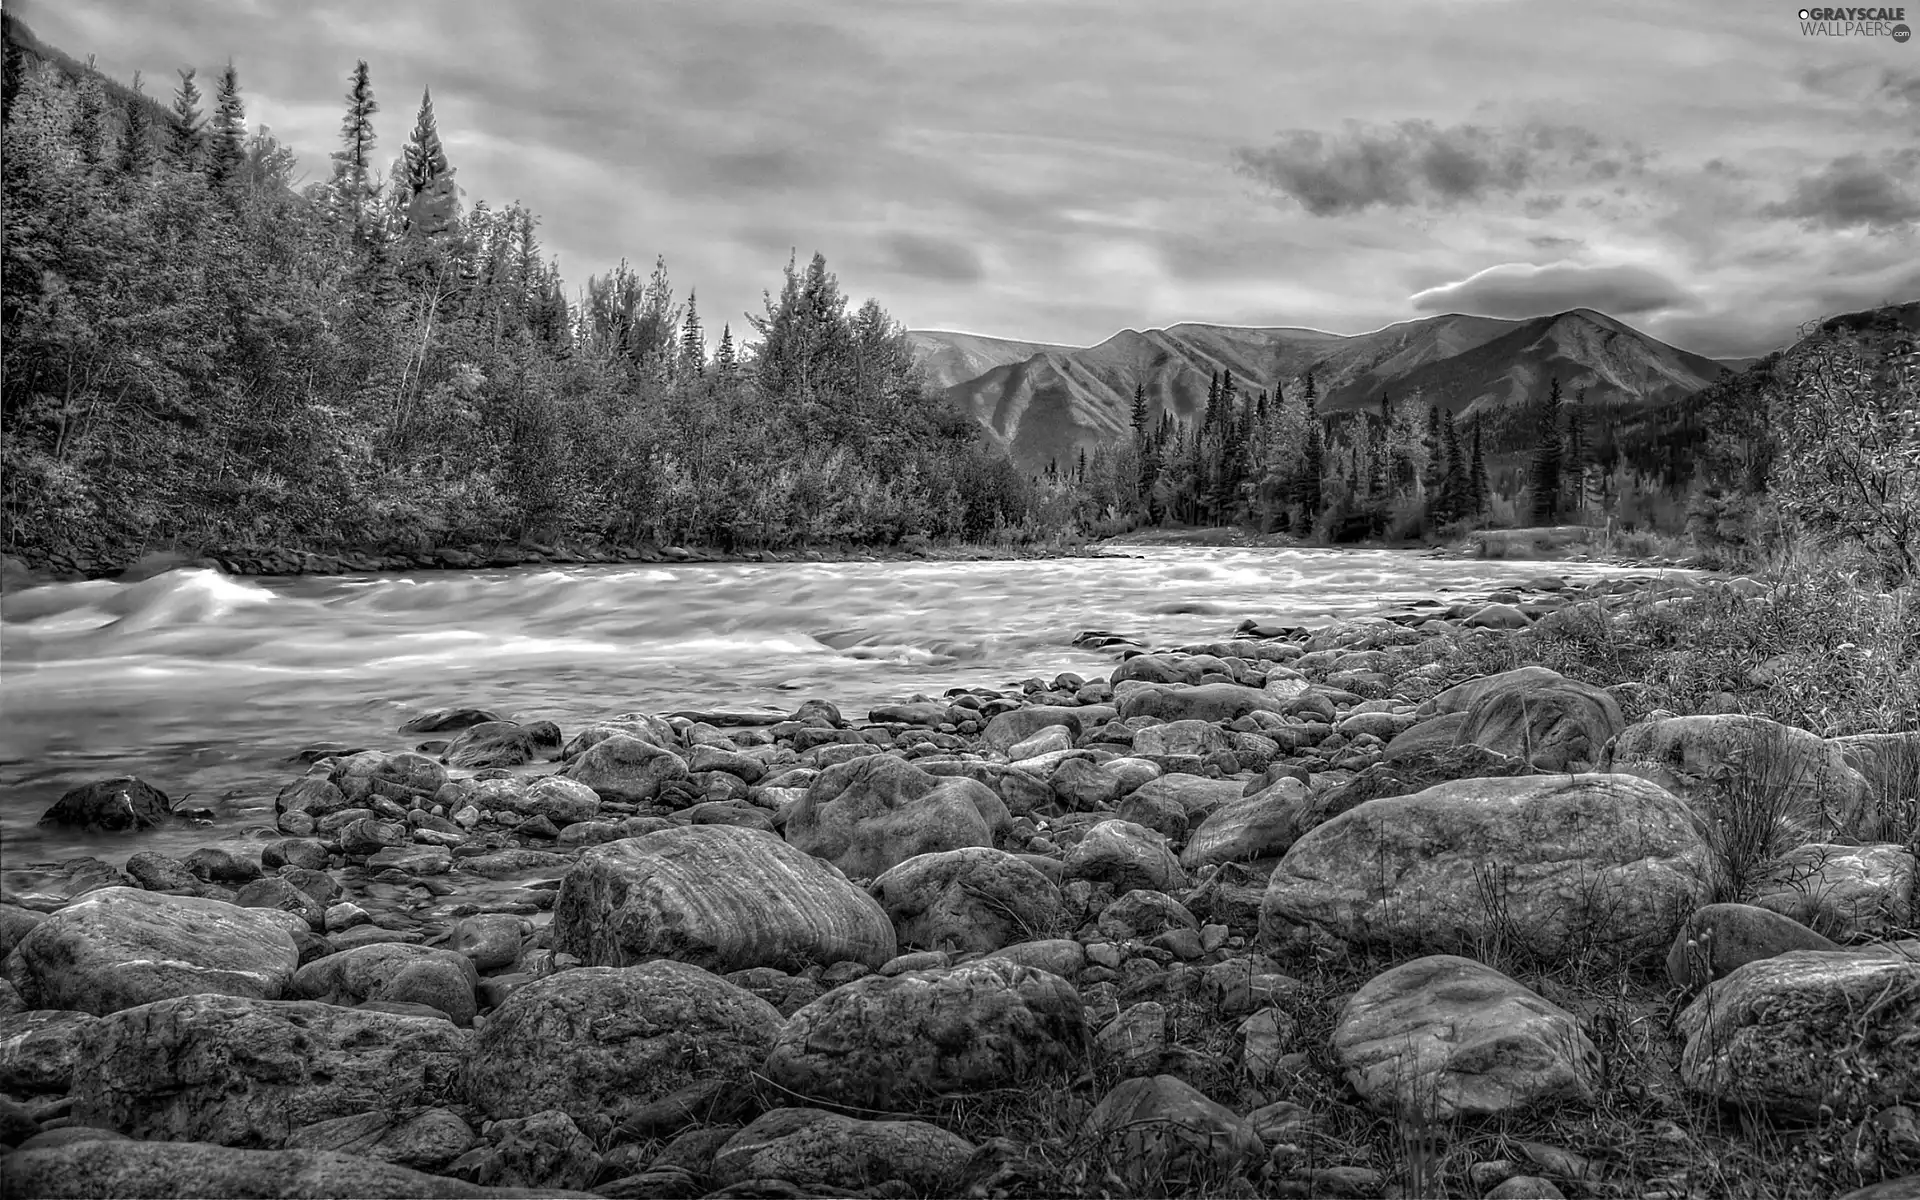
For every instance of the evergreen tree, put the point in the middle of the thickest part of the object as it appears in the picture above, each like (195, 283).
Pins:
(136, 158)
(1479, 487)
(723, 358)
(1080, 472)
(1574, 468)
(1547, 460)
(188, 133)
(1436, 469)
(1313, 463)
(227, 145)
(1456, 484)
(354, 189)
(431, 203)
(693, 342)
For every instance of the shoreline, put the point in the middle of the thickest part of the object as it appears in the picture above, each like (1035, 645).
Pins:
(17, 571)
(451, 887)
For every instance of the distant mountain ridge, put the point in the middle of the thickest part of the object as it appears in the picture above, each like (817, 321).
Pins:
(1046, 403)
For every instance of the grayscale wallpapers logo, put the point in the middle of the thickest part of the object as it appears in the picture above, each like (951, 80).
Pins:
(1855, 22)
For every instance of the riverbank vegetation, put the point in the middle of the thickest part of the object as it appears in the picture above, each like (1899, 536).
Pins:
(199, 356)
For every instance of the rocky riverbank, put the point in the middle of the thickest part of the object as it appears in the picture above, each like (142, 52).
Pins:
(1386, 908)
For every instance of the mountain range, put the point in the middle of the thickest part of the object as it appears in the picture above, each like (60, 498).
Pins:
(1046, 403)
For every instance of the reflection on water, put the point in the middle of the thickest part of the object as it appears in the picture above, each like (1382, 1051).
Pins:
(203, 685)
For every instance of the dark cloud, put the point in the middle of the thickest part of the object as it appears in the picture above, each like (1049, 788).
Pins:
(1550, 242)
(1523, 290)
(943, 260)
(1855, 191)
(1418, 163)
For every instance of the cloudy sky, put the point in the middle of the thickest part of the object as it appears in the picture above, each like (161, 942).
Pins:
(1056, 170)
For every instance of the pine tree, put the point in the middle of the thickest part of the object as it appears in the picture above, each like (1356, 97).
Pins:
(1313, 464)
(136, 157)
(1477, 478)
(1080, 472)
(1574, 468)
(432, 201)
(188, 133)
(724, 363)
(1436, 468)
(354, 189)
(1456, 484)
(1547, 460)
(227, 145)
(693, 342)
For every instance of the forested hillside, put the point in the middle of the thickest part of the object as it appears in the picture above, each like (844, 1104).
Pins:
(198, 356)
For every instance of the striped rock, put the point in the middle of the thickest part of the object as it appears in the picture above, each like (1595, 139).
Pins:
(722, 897)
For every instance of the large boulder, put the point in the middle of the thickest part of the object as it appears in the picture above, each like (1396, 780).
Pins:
(720, 897)
(1553, 864)
(1463, 696)
(111, 805)
(40, 1049)
(1555, 724)
(974, 899)
(1444, 1037)
(1809, 1031)
(119, 947)
(609, 1040)
(896, 1043)
(830, 1152)
(1890, 763)
(101, 1167)
(244, 1072)
(1204, 702)
(876, 812)
(410, 780)
(626, 768)
(1740, 769)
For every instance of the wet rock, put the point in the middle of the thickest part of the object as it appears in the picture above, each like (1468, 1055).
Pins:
(626, 768)
(973, 899)
(123, 804)
(1809, 1030)
(606, 1041)
(895, 1043)
(1084, 786)
(1127, 856)
(449, 720)
(491, 744)
(175, 1168)
(491, 941)
(1011, 728)
(158, 873)
(1205, 702)
(245, 1072)
(874, 813)
(120, 947)
(827, 1151)
(16, 923)
(410, 780)
(1462, 696)
(1445, 1037)
(1163, 1135)
(1718, 939)
(39, 1049)
(1554, 864)
(1425, 738)
(439, 979)
(719, 897)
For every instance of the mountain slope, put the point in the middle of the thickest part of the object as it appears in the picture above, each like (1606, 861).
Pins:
(1053, 403)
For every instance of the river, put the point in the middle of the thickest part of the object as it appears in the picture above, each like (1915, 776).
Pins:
(203, 685)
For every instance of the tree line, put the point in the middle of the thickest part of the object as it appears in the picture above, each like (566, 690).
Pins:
(198, 353)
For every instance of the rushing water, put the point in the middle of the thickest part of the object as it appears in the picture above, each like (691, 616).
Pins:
(204, 685)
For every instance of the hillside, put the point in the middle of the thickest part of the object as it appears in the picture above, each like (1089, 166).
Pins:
(1052, 403)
